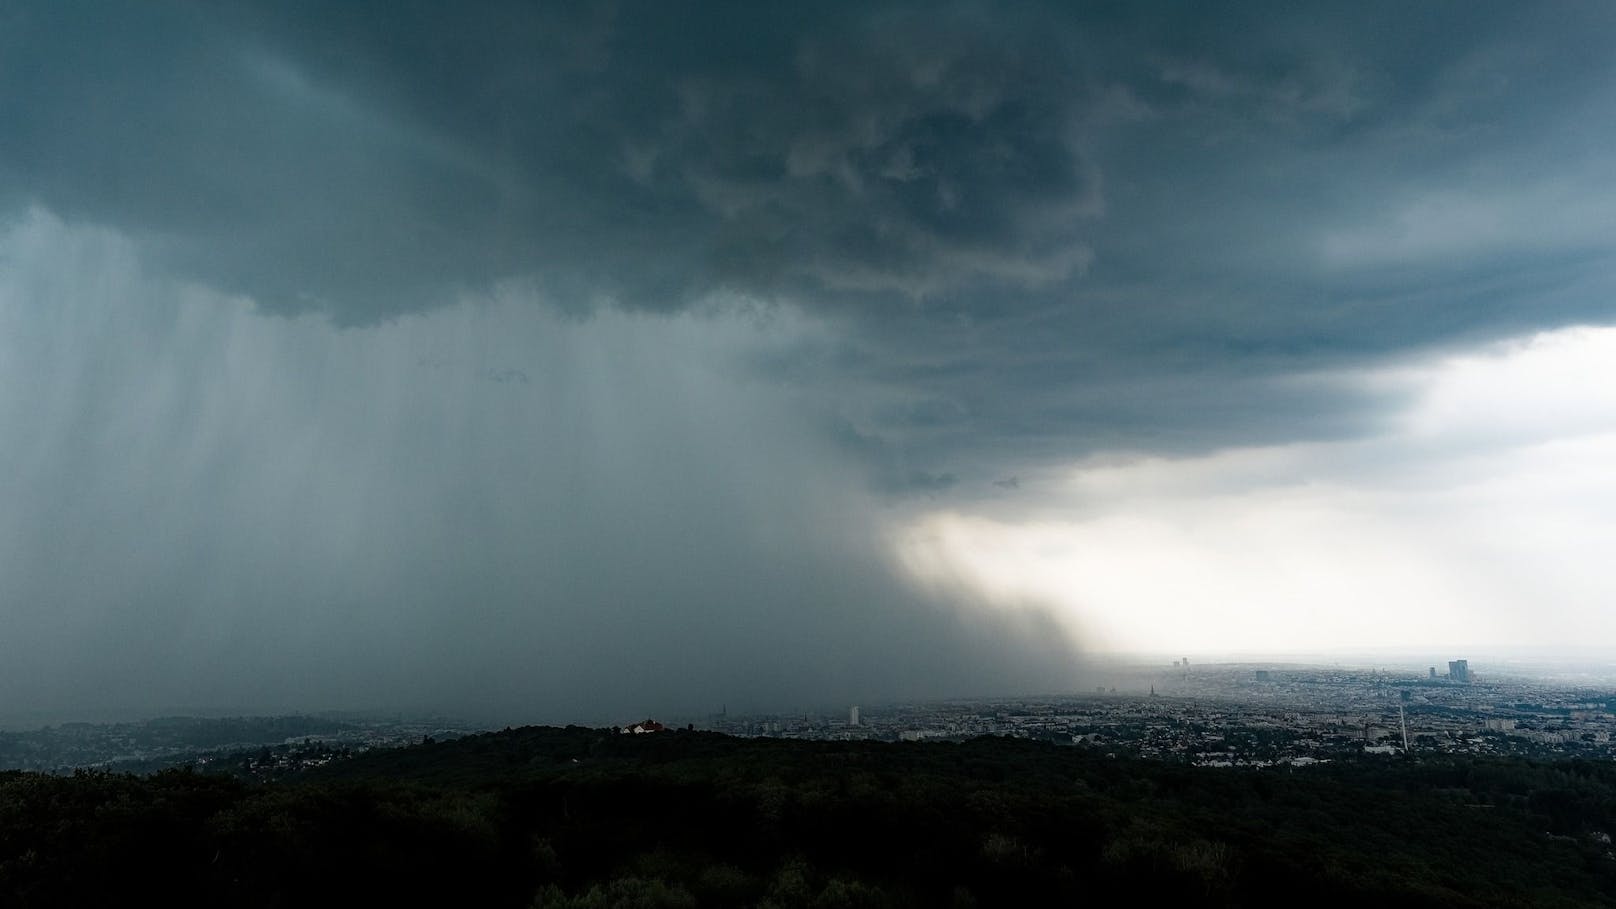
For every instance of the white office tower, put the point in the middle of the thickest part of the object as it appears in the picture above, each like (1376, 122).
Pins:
(852, 717)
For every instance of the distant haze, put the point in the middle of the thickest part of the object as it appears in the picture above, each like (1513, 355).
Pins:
(582, 362)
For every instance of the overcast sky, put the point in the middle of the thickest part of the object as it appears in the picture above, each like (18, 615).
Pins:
(583, 361)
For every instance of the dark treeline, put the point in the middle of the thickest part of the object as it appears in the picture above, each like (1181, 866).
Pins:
(578, 817)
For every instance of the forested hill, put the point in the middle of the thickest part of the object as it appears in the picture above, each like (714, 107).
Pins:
(580, 817)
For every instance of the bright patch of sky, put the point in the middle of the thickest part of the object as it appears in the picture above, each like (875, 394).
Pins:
(1483, 515)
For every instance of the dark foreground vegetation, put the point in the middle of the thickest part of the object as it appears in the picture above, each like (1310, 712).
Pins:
(578, 817)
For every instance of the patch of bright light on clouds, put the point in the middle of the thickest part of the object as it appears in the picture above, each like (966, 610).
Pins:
(1484, 514)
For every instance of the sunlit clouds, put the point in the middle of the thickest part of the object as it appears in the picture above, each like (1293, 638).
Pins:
(1482, 514)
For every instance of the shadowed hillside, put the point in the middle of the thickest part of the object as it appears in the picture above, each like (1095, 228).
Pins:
(580, 817)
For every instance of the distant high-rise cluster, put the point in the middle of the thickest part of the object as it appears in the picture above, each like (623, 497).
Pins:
(1459, 670)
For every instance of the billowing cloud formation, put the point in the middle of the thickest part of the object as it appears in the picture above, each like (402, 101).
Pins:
(366, 161)
(1041, 228)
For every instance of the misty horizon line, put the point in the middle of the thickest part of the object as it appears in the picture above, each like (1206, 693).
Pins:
(1538, 662)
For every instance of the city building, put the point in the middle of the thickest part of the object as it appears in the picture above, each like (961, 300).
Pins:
(1459, 670)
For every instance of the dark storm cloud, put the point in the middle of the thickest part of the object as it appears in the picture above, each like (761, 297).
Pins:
(1008, 208)
(371, 159)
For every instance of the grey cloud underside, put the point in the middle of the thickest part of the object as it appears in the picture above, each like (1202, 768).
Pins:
(369, 161)
(1049, 229)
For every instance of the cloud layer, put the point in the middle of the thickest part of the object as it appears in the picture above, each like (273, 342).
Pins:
(553, 346)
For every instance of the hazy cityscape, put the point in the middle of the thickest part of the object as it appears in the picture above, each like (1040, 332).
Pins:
(1214, 714)
(1255, 715)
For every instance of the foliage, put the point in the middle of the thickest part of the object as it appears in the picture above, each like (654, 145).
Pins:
(582, 818)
